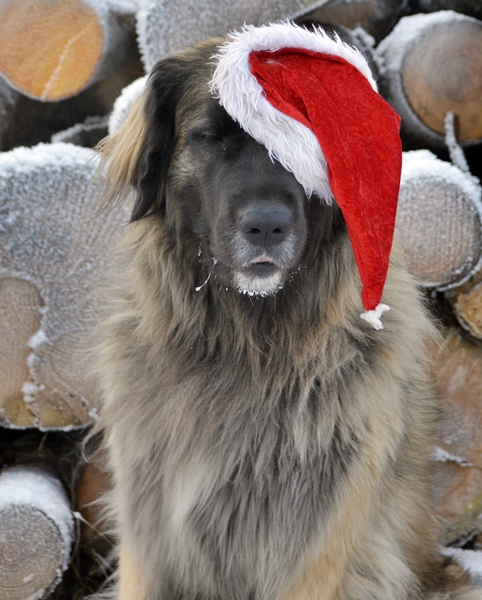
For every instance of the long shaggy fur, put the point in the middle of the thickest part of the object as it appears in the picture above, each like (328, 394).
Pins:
(262, 448)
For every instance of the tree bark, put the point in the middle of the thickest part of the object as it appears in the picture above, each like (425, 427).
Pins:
(93, 483)
(51, 50)
(36, 533)
(439, 221)
(54, 262)
(432, 64)
(374, 16)
(468, 7)
(87, 134)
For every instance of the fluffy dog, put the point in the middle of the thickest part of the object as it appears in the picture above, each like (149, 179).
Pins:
(265, 443)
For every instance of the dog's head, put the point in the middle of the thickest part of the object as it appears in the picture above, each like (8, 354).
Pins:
(194, 167)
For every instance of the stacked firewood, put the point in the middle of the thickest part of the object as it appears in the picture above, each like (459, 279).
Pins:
(70, 72)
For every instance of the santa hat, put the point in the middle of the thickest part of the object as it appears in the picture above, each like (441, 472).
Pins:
(312, 101)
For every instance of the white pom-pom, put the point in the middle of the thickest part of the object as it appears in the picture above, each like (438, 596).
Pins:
(373, 316)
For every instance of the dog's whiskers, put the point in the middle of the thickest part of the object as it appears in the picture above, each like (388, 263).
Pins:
(200, 287)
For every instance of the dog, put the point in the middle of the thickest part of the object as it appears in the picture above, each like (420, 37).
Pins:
(264, 442)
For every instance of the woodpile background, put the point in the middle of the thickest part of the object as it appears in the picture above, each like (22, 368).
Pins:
(69, 72)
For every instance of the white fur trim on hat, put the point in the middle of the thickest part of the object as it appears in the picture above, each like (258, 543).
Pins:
(289, 141)
(374, 316)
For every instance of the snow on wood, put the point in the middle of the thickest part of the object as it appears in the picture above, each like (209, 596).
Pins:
(456, 153)
(470, 560)
(432, 64)
(36, 533)
(439, 220)
(457, 467)
(164, 27)
(374, 16)
(52, 50)
(55, 252)
(124, 103)
(87, 134)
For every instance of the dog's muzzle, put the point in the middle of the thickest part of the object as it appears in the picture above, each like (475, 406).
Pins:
(265, 244)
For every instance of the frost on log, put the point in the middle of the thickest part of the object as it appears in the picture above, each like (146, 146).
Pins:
(164, 27)
(36, 533)
(439, 220)
(54, 257)
(52, 50)
(432, 64)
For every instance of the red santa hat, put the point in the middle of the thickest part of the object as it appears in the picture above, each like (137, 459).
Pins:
(312, 101)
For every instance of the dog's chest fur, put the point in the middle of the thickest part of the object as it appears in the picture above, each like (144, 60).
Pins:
(242, 454)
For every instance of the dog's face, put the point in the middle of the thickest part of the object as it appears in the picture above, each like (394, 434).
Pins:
(247, 210)
(207, 177)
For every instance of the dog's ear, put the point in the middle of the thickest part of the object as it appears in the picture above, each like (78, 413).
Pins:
(139, 153)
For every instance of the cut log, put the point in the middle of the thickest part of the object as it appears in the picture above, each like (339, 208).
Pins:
(87, 134)
(374, 16)
(457, 470)
(52, 50)
(164, 27)
(466, 303)
(36, 533)
(92, 485)
(54, 249)
(28, 122)
(432, 64)
(468, 7)
(468, 310)
(439, 221)
(8, 102)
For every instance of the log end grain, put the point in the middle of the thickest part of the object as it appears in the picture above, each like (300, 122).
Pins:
(35, 533)
(49, 50)
(52, 239)
(20, 314)
(442, 71)
(458, 498)
(468, 310)
(457, 369)
(432, 64)
(30, 553)
(438, 220)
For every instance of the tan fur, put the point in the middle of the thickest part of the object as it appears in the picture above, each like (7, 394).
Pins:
(131, 578)
(122, 150)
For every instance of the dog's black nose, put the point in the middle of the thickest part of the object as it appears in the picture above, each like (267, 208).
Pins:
(265, 225)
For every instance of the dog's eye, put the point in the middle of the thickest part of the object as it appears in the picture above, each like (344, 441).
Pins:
(214, 139)
(209, 137)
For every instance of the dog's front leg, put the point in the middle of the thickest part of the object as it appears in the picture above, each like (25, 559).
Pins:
(132, 580)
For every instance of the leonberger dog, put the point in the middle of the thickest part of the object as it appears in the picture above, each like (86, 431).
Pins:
(266, 445)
